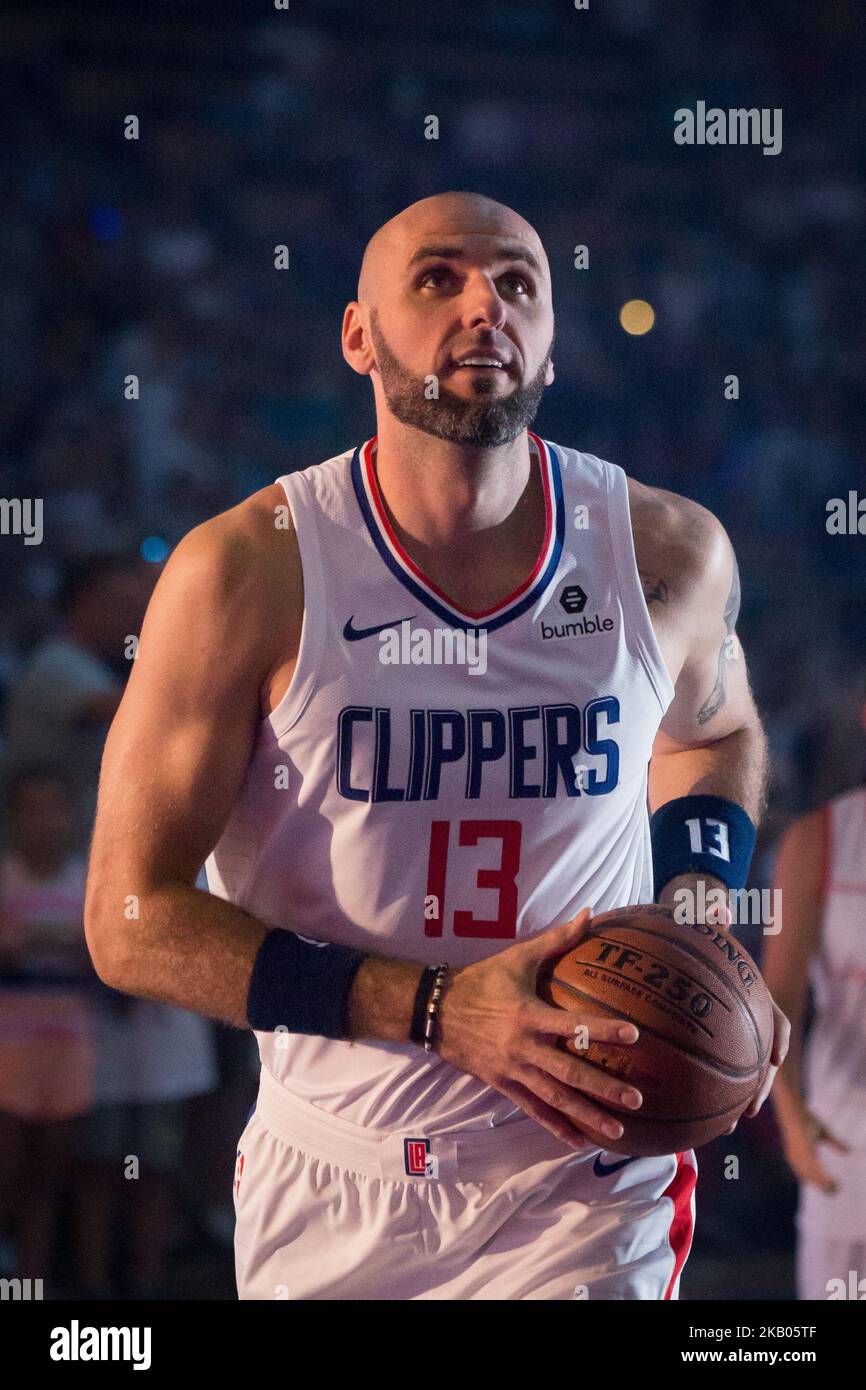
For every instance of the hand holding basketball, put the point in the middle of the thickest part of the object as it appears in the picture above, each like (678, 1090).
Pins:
(719, 915)
(706, 1018)
(494, 1025)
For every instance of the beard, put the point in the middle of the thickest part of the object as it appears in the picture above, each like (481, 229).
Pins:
(484, 422)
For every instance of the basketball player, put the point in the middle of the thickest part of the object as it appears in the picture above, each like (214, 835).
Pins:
(820, 1096)
(390, 798)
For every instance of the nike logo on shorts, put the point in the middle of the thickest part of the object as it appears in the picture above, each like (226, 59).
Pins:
(357, 634)
(601, 1170)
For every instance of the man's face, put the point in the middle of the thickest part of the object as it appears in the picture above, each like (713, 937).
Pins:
(455, 295)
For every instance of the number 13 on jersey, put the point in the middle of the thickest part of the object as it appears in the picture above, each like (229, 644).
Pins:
(503, 877)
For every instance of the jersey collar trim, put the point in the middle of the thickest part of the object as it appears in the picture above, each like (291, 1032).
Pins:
(412, 578)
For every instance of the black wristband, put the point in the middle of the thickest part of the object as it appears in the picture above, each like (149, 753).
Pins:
(422, 997)
(701, 834)
(301, 987)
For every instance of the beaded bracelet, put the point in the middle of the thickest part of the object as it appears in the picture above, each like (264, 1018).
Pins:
(426, 1003)
(433, 1007)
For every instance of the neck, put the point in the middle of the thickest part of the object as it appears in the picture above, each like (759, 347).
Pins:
(471, 519)
(445, 495)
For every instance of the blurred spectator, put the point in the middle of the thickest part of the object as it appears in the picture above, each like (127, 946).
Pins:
(150, 1060)
(46, 1048)
(66, 697)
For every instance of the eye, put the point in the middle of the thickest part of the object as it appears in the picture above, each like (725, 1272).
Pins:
(439, 272)
(517, 279)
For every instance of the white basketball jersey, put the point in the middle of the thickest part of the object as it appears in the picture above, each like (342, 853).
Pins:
(436, 784)
(835, 1054)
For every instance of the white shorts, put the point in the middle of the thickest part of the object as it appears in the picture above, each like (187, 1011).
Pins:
(830, 1268)
(327, 1209)
(831, 1229)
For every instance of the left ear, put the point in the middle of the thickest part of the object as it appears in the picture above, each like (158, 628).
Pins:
(548, 375)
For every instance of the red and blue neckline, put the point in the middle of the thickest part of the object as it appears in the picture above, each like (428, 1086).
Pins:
(423, 589)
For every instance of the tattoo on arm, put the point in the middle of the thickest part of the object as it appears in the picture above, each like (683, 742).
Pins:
(654, 590)
(716, 698)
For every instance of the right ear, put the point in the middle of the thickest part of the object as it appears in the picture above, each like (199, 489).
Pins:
(357, 348)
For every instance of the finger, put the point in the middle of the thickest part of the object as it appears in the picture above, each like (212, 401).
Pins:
(583, 1076)
(565, 1023)
(569, 1102)
(719, 915)
(781, 1037)
(556, 940)
(754, 1107)
(779, 1052)
(549, 1118)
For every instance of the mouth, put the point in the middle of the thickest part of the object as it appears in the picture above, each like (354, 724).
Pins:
(481, 364)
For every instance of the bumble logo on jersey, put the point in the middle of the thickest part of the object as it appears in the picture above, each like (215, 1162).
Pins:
(581, 627)
(573, 600)
(437, 752)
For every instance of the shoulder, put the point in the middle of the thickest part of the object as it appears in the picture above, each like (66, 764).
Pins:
(236, 577)
(242, 536)
(680, 543)
(251, 544)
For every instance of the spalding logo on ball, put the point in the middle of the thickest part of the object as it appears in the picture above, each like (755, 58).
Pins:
(705, 1018)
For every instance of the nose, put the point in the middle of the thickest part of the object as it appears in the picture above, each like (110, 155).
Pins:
(482, 306)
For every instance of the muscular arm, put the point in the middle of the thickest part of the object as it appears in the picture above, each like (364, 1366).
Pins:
(173, 764)
(227, 609)
(711, 739)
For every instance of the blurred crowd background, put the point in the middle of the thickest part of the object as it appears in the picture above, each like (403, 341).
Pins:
(155, 257)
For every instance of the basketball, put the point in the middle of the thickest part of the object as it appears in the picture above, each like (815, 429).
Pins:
(703, 1012)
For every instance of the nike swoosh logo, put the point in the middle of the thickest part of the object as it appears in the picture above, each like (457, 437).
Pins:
(357, 634)
(601, 1170)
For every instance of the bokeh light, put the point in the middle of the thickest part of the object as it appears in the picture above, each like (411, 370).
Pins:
(637, 317)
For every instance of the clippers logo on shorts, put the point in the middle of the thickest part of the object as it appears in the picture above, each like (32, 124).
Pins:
(418, 1160)
(239, 1168)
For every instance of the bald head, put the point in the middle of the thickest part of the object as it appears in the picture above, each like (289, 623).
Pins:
(454, 274)
(430, 222)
